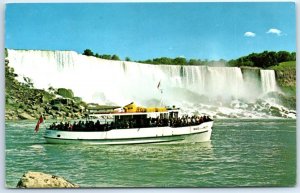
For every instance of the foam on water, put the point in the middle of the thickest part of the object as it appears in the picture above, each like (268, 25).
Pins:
(37, 146)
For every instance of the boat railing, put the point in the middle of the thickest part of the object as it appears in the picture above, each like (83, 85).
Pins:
(129, 124)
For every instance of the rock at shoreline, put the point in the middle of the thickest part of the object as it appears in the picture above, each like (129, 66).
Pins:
(42, 180)
(26, 116)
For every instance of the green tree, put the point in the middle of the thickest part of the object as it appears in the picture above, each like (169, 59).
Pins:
(292, 56)
(162, 60)
(115, 57)
(88, 52)
(149, 61)
(127, 59)
(248, 63)
(232, 63)
(105, 56)
(6, 53)
(28, 82)
(67, 93)
(283, 56)
(179, 61)
(194, 62)
(264, 59)
(269, 59)
(52, 90)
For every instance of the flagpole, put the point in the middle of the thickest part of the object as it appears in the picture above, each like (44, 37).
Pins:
(161, 97)
(161, 92)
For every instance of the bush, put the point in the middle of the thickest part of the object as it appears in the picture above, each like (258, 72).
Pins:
(67, 93)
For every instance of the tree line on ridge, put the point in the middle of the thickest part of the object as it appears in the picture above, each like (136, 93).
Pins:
(262, 60)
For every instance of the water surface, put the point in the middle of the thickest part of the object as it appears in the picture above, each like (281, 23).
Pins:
(241, 153)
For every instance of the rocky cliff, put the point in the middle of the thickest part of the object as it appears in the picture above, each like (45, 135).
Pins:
(286, 80)
(286, 75)
(23, 101)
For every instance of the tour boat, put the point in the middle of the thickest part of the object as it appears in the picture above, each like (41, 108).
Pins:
(136, 125)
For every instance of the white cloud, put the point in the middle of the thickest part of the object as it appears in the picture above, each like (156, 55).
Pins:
(274, 31)
(249, 34)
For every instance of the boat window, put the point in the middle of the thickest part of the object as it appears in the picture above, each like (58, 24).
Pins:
(173, 114)
(163, 115)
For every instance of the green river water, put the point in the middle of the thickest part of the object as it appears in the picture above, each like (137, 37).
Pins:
(241, 153)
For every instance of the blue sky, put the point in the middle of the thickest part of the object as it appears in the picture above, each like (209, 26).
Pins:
(149, 30)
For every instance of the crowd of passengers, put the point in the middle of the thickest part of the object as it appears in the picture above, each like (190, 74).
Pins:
(132, 123)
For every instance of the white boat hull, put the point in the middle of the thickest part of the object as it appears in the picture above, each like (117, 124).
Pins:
(197, 133)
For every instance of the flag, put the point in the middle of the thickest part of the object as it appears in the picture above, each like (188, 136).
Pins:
(41, 120)
(158, 85)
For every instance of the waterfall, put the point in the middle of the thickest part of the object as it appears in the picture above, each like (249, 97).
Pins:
(120, 82)
(99, 80)
(268, 81)
(252, 81)
(226, 82)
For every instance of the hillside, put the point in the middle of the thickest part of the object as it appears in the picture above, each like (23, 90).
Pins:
(286, 76)
(23, 101)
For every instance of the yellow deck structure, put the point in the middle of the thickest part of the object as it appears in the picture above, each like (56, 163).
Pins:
(133, 108)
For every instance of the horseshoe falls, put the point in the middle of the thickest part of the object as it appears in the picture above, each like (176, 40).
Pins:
(216, 91)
